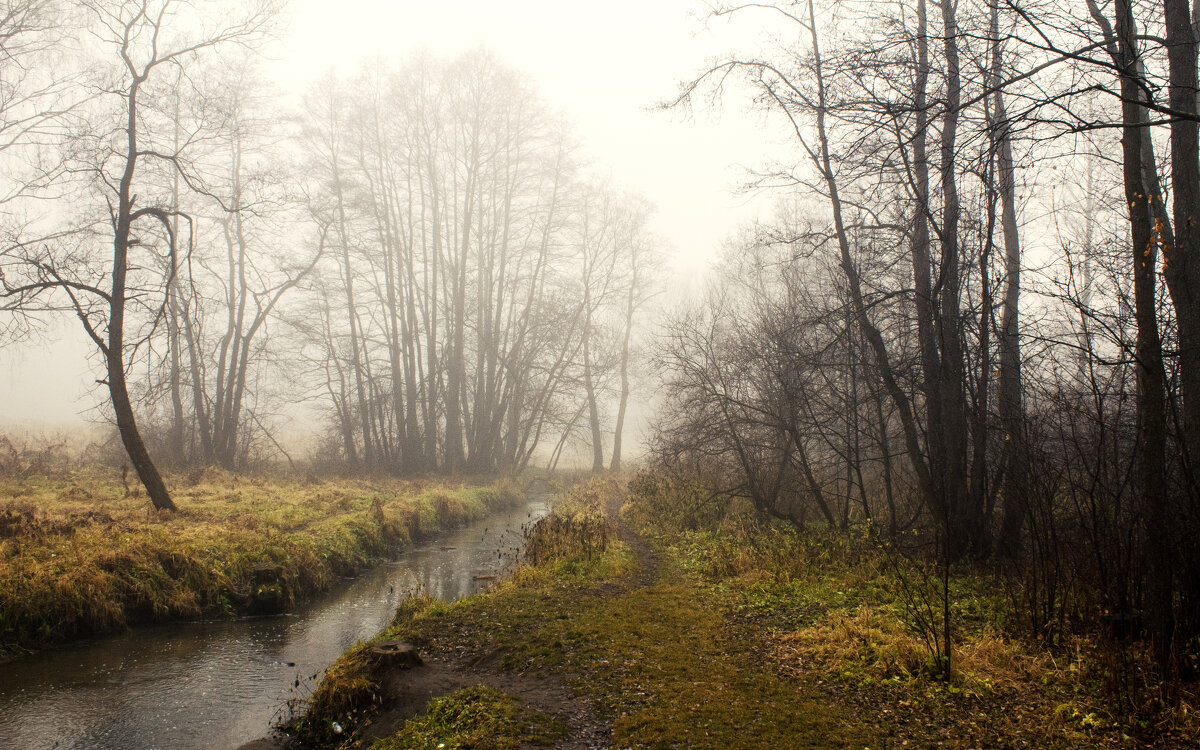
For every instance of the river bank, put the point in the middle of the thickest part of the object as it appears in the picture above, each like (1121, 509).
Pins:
(704, 639)
(82, 557)
(199, 685)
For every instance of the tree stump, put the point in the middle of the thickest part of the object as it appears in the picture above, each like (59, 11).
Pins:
(267, 593)
(266, 572)
(395, 654)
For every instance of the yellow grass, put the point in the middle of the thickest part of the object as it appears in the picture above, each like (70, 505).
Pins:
(80, 557)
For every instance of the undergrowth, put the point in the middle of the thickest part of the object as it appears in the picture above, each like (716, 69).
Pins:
(848, 612)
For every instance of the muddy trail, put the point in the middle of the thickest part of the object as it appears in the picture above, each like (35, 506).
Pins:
(647, 558)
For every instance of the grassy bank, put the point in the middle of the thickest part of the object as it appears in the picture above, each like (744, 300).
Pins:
(81, 557)
(654, 650)
(738, 633)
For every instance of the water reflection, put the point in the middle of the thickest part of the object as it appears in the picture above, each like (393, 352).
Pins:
(219, 684)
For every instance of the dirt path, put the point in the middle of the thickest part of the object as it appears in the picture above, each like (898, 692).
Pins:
(646, 556)
(411, 690)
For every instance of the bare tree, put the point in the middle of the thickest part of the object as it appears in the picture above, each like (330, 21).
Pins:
(147, 40)
(640, 264)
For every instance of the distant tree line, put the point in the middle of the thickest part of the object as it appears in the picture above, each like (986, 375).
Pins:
(417, 252)
(973, 318)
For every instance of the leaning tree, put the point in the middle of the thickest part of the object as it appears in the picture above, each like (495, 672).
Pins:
(113, 257)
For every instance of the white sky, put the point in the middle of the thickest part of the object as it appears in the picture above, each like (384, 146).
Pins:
(603, 65)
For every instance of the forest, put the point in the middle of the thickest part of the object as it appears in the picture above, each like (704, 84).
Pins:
(912, 466)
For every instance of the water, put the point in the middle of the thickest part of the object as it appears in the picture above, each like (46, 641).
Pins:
(204, 685)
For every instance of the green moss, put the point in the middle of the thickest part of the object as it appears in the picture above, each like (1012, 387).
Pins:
(480, 718)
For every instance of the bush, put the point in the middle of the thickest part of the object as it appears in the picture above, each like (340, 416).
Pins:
(678, 503)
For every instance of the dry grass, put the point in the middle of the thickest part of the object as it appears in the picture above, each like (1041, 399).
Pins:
(869, 645)
(81, 556)
(861, 643)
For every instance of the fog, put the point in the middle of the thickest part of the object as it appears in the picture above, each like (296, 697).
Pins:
(605, 70)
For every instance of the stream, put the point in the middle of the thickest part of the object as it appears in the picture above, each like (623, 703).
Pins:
(217, 684)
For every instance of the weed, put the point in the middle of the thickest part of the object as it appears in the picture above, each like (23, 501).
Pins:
(557, 537)
(480, 718)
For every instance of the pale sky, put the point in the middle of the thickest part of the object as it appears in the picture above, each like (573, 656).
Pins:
(604, 66)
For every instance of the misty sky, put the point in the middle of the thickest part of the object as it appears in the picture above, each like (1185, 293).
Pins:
(604, 66)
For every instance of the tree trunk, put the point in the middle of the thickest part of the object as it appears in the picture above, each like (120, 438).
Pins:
(1181, 266)
(619, 428)
(962, 517)
(1012, 411)
(922, 261)
(1152, 422)
(114, 354)
(627, 335)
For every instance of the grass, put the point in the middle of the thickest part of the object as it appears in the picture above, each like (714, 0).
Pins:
(349, 691)
(81, 557)
(573, 545)
(479, 718)
(663, 661)
(840, 612)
